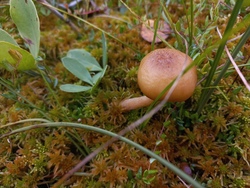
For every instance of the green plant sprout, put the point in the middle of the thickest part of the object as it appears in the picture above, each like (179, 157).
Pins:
(85, 67)
(149, 176)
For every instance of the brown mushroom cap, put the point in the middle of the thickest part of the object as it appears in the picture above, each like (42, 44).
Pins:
(160, 67)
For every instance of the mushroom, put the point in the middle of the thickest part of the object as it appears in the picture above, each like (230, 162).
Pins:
(156, 71)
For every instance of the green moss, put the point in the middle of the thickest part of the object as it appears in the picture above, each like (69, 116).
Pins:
(215, 144)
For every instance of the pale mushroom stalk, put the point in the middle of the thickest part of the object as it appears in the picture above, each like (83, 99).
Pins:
(135, 103)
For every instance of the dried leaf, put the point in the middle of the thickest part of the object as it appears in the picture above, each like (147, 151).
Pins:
(148, 27)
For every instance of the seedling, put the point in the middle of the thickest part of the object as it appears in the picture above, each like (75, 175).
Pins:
(85, 67)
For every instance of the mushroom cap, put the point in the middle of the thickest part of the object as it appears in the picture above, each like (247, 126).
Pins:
(160, 67)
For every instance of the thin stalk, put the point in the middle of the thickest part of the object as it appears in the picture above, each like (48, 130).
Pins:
(190, 21)
(58, 14)
(3, 82)
(168, 19)
(130, 10)
(223, 41)
(25, 121)
(104, 51)
(187, 17)
(172, 167)
(51, 90)
(153, 30)
(75, 139)
(93, 26)
(191, 32)
(240, 44)
(236, 50)
(156, 27)
(228, 31)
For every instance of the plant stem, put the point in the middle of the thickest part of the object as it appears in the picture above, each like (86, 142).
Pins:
(191, 32)
(206, 93)
(58, 14)
(172, 167)
(240, 44)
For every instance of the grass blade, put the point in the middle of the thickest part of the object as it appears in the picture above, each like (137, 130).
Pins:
(104, 51)
(168, 19)
(240, 44)
(206, 93)
(28, 103)
(176, 170)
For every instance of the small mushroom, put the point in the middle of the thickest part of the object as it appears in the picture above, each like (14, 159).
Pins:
(156, 71)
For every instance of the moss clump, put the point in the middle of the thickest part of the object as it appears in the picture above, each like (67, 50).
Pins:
(214, 145)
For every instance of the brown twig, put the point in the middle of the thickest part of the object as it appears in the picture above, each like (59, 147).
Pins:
(58, 14)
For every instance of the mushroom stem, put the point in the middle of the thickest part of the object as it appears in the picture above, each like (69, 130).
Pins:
(135, 103)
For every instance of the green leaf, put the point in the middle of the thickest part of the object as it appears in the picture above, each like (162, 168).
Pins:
(76, 68)
(149, 172)
(16, 56)
(97, 77)
(24, 15)
(147, 176)
(74, 88)
(104, 51)
(158, 142)
(148, 181)
(130, 174)
(151, 160)
(85, 58)
(139, 174)
(4, 36)
(205, 95)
